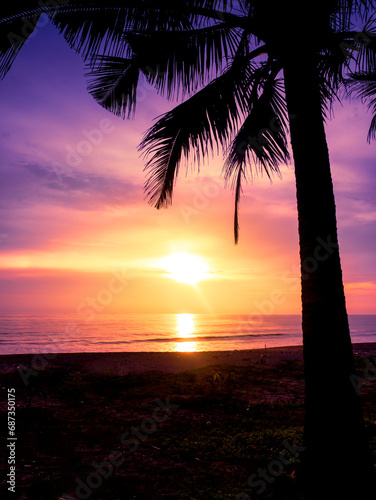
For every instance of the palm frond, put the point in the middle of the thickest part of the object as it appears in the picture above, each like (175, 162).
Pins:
(87, 26)
(344, 12)
(240, 177)
(214, 8)
(113, 83)
(183, 60)
(24, 9)
(93, 31)
(262, 139)
(364, 42)
(206, 120)
(13, 35)
(261, 142)
(332, 63)
(222, 5)
(91, 27)
(168, 60)
(363, 86)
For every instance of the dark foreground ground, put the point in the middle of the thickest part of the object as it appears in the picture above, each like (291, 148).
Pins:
(121, 426)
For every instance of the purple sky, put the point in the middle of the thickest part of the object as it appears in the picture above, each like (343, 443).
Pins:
(63, 227)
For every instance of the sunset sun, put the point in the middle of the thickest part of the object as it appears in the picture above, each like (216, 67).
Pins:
(185, 267)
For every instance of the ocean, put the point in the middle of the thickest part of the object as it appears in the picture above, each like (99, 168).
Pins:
(26, 333)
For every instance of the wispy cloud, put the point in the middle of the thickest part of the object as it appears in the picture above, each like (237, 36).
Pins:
(30, 184)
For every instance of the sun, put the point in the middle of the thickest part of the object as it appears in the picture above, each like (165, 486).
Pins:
(185, 267)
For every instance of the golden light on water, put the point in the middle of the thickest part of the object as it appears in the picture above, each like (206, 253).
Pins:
(185, 328)
(185, 325)
(186, 347)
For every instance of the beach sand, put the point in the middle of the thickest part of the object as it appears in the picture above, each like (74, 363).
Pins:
(121, 363)
(231, 413)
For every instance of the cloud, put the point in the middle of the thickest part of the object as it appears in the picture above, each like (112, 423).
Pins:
(368, 286)
(27, 185)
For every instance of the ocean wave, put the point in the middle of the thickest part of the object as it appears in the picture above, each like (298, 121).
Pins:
(185, 339)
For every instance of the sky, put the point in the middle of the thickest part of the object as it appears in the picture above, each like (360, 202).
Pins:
(77, 234)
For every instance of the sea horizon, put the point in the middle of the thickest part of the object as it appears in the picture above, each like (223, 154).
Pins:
(23, 333)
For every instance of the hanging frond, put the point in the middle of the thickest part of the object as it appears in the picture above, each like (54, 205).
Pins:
(214, 9)
(262, 139)
(261, 142)
(169, 60)
(91, 32)
(207, 119)
(87, 26)
(91, 27)
(364, 53)
(184, 60)
(13, 36)
(362, 81)
(240, 177)
(16, 11)
(363, 86)
(365, 58)
(114, 84)
(344, 11)
(332, 63)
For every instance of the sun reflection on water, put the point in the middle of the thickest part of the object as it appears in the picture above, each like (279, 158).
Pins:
(185, 325)
(185, 328)
(186, 347)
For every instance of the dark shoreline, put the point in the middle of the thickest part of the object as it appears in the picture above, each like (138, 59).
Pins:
(121, 363)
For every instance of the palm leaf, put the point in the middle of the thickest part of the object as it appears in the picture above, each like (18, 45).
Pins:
(11, 11)
(364, 55)
(363, 86)
(114, 84)
(332, 63)
(207, 119)
(93, 31)
(362, 81)
(13, 35)
(168, 60)
(91, 27)
(343, 12)
(262, 138)
(261, 142)
(183, 59)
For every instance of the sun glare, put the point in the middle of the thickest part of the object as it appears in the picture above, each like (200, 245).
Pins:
(186, 347)
(185, 325)
(185, 328)
(185, 267)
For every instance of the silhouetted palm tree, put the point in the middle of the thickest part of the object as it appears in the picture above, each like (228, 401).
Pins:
(250, 73)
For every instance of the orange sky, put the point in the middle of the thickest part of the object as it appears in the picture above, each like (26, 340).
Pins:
(74, 211)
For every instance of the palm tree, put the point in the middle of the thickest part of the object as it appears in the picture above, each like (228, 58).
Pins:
(249, 75)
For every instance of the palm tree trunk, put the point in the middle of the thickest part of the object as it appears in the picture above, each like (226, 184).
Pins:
(334, 432)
